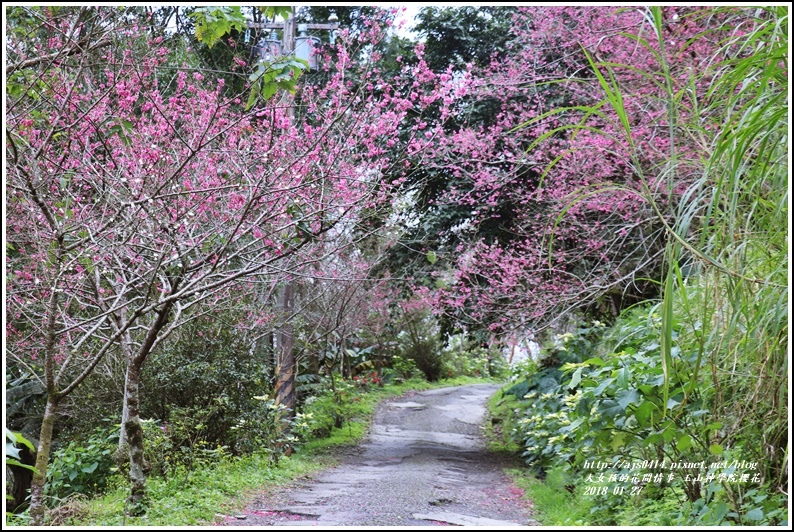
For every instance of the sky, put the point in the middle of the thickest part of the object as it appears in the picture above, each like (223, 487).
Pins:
(408, 15)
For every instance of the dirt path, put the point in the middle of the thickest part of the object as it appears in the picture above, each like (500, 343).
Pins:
(424, 463)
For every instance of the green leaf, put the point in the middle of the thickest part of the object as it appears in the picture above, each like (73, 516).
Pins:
(611, 408)
(212, 22)
(575, 378)
(643, 413)
(11, 461)
(11, 450)
(17, 437)
(715, 449)
(623, 377)
(667, 322)
(275, 11)
(601, 387)
(91, 468)
(626, 397)
(684, 443)
(617, 440)
(268, 90)
(756, 514)
(431, 257)
(253, 96)
(573, 426)
(654, 439)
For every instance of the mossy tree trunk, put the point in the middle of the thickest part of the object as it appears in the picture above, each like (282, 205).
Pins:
(131, 424)
(37, 509)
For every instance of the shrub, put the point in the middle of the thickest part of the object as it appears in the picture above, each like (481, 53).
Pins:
(201, 384)
(327, 410)
(400, 369)
(267, 430)
(83, 467)
(419, 342)
(181, 445)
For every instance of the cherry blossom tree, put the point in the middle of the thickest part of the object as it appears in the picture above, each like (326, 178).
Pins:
(560, 199)
(138, 189)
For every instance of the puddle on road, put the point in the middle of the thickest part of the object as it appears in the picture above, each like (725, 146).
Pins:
(412, 406)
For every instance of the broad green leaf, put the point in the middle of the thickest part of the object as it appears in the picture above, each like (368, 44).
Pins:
(17, 437)
(654, 439)
(275, 11)
(611, 408)
(268, 90)
(684, 443)
(575, 378)
(253, 96)
(601, 387)
(627, 397)
(573, 426)
(11, 450)
(212, 23)
(643, 413)
(756, 514)
(11, 461)
(617, 440)
(715, 449)
(623, 377)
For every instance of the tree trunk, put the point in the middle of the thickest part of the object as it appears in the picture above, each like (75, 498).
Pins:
(285, 384)
(126, 352)
(42, 460)
(134, 431)
(132, 425)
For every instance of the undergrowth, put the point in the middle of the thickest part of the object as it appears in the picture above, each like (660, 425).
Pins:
(206, 495)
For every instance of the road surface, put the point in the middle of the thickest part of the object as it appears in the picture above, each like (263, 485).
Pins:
(423, 464)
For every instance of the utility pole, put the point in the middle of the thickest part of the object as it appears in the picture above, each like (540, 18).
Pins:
(285, 366)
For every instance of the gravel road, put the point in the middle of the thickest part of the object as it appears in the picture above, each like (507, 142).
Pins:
(424, 463)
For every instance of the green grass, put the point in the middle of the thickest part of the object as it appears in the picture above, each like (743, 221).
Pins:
(229, 486)
(500, 423)
(196, 498)
(552, 503)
